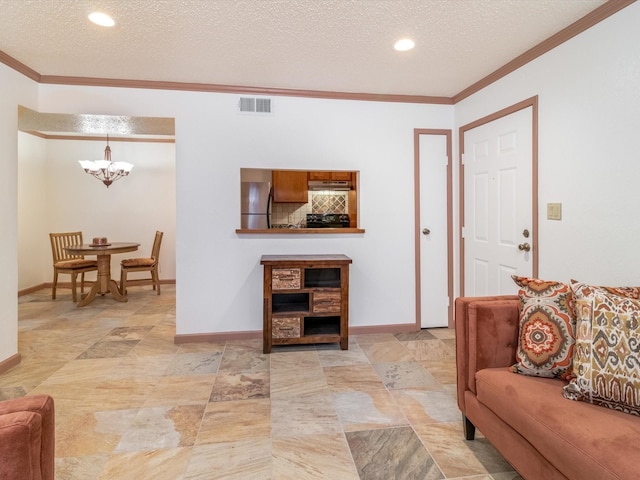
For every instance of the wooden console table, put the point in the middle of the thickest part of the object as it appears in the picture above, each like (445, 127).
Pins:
(306, 300)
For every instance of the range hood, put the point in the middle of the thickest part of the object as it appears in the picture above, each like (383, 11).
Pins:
(329, 185)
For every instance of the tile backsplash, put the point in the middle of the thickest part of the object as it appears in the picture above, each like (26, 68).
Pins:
(319, 202)
(328, 203)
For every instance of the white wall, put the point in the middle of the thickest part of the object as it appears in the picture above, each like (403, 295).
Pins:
(34, 253)
(219, 276)
(14, 89)
(589, 118)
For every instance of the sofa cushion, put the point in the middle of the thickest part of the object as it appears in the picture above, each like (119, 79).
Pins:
(546, 333)
(582, 440)
(607, 359)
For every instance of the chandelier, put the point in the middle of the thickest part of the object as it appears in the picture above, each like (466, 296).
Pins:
(105, 170)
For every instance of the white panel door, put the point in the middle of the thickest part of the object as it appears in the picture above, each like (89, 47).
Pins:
(497, 229)
(434, 275)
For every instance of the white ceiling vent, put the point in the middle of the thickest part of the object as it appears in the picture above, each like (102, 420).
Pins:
(256, 105)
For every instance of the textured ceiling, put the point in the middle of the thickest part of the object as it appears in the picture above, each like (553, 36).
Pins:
(325, 45)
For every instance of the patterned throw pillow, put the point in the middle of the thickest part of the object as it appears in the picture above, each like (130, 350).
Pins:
(547, 328)
(607, 358)
(584, 290)
(583, 295)
(583, 302)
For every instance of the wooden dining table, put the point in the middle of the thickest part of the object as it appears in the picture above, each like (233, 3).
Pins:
(104, 283)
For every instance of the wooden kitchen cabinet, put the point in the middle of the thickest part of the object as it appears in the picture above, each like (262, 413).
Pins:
(306, 300)
(330, 176)
(290, 186)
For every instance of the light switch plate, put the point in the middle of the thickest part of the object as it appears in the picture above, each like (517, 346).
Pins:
(554, 211)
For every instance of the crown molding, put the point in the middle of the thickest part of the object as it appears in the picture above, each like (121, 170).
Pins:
(49, 136)
(596, 16)
(238, 89)
(19, 67)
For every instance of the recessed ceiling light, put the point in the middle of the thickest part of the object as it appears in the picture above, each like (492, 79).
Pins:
(404, 44)
(101, 19)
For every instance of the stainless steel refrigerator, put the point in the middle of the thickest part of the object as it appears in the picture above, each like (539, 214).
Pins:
(256, 200)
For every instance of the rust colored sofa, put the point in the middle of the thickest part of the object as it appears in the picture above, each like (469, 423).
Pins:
(27, 438)
(542, 434)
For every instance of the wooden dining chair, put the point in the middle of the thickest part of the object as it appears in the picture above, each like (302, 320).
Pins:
(143, 265)
(66, 263)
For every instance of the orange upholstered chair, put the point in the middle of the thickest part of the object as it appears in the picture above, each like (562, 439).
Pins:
(27, 438)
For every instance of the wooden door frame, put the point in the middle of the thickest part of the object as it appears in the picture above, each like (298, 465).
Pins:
(418, 231)
(529, 102)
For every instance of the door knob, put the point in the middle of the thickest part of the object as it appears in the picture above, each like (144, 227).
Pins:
(524, 247)
(426, 231)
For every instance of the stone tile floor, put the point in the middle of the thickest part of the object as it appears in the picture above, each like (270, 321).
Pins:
(132, 405)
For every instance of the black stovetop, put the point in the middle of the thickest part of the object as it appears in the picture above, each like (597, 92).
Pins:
(327, 220)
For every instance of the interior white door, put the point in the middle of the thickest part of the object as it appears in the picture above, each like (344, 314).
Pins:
(498, 187)
(434, 275)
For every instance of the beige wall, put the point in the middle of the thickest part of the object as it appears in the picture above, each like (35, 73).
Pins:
(15, 88)
(34, 261)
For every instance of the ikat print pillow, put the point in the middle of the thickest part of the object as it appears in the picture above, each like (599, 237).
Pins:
(607, 357)
(584, 290)
(546, 335)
